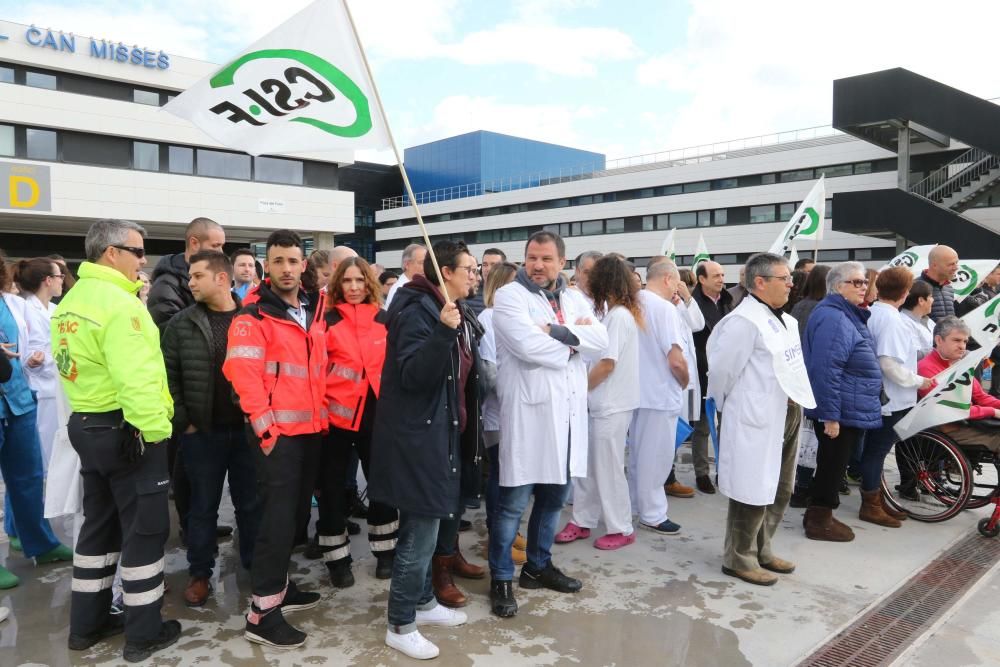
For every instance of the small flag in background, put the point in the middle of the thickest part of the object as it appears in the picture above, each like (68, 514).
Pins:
(807, 221)
(667, 247)
(303, 87)
(701, 254)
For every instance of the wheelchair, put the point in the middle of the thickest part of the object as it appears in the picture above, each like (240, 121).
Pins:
(932, 478)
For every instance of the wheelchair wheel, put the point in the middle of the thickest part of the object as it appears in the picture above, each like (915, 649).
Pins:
(985, 467)
(928, 477)
(984, 528)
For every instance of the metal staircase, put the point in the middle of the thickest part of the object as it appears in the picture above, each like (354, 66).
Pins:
(958, 184)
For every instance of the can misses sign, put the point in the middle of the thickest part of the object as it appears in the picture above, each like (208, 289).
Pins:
(25, 187)
(303, 87)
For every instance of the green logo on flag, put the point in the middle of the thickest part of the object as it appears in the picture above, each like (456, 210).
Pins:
(813, 225)
(966, 273)
(311, 82)
(908, 259)
(701, 257)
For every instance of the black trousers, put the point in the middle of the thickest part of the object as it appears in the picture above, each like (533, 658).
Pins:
(179, 481)
(339, 446)
(126, 518)
(284, 488)
(832, 457)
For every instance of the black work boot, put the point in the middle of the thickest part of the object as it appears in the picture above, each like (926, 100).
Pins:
(383, 566)
(138, 651)
(502, 601)
(114, 626)
(340, 574)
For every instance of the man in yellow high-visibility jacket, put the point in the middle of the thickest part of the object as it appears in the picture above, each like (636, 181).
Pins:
(107, 350)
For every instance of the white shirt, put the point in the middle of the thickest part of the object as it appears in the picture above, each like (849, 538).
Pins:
(403, 279)
(922, 332)
(894, 339)
(659, 389)
(488, 352)
(620, 391)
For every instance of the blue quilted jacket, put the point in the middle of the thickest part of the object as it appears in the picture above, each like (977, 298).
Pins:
(843, 368)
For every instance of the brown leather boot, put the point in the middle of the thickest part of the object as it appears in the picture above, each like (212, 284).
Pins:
(890, 510)
(445, 590)
(820, 525)
(872, 512)
(463, 568)
(197, 591)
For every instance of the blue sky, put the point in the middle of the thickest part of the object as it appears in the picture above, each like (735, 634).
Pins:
(622, 77)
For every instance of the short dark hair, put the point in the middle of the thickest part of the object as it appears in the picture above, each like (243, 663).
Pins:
(198, 228)
(920, 289)
(544, 236)
(495, 251)
(284, 238)
(386, 276)
(803, 262)
(447, 254)
(217, 261)
(239, 252)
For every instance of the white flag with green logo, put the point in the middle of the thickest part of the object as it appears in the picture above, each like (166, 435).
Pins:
(984, 323)
(806, 224)
(949, 401)
(701, 254)
(971, 272)
(303, 87)
(915, 259)
(667, 247)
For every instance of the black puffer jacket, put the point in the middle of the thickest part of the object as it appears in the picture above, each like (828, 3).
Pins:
(422, 457)
(944, 297)
(187, 354)
(169, 293)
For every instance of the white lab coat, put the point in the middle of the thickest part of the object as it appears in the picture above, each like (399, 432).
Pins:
(43, 379)
(693, 321)
(541, 386)
(742, 380)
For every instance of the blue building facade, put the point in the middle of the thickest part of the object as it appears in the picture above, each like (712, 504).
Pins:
(481, 161)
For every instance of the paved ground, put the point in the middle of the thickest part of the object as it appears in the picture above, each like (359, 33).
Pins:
(662, 601)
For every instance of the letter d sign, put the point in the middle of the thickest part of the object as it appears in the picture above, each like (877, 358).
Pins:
(21, 185)
(25, 187)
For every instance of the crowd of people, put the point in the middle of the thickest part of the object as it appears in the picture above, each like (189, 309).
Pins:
(517, 383)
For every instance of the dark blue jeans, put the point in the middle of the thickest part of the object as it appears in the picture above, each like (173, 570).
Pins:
(411, 587)
(542, 526)
(878, 442)
(21, 465)
(208, 456)
(492, 485)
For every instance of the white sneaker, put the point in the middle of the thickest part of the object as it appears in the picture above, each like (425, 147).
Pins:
(412, 644)
(4, 613)
(441, 615)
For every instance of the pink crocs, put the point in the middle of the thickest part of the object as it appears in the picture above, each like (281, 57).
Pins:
(572, 532)
(613, 541)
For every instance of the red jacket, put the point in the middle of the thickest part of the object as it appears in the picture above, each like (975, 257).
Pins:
(984, 406)
(278, 369)
(355, 348)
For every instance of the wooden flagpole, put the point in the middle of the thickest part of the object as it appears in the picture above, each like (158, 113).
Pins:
(395, 150)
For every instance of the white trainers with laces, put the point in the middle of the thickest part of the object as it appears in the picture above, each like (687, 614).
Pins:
(412, 644)
(441, 615)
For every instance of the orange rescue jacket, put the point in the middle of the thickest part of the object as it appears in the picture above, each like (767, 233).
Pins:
(277, 368)
(355, 348)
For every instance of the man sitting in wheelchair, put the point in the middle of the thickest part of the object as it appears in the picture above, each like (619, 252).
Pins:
(951, 335)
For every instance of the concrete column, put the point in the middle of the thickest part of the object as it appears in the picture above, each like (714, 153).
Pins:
(903, 159)
(324, 240)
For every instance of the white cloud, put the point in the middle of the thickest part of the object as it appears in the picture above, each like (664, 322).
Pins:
(755, 68)
(557, 50)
